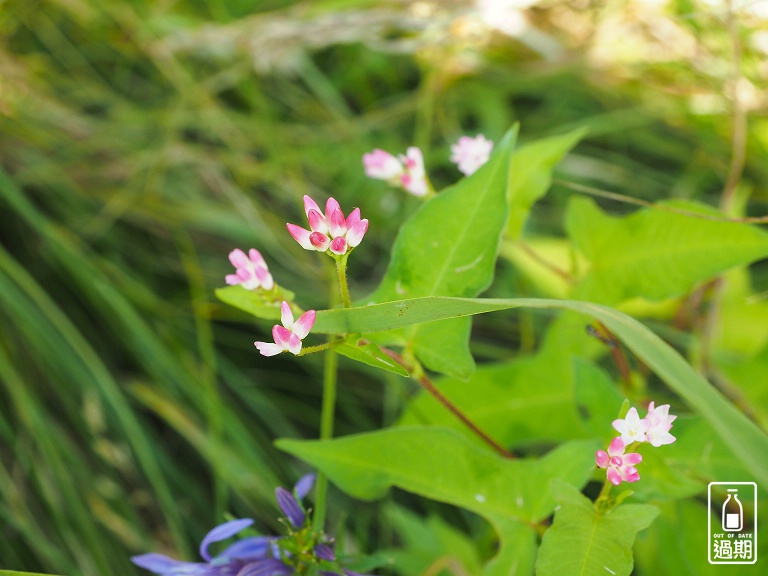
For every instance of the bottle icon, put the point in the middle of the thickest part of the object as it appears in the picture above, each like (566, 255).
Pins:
(733, 521)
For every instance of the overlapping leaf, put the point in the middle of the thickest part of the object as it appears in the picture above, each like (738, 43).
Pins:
(448, 248)
(585, 542)
(656, 254)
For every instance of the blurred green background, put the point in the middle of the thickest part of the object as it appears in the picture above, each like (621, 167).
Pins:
(141, 141)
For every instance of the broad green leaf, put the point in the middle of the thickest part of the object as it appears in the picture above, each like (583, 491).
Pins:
(372, 355)
(531, 258)
(656, 254)
(597, 399)
(585, 542)
(428, 543)
(448, 248)
(443, 465)
(743, 438)
(742, 318)
(685, 467)
(749, 378)
(518, 544)
(531, 175)
(444, 347)
(512, 401)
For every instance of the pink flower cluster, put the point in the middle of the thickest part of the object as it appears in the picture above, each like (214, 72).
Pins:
(406, 171)
(654, 429)
(330, 231)
(251, 271)
(471, 153)
(288, 337)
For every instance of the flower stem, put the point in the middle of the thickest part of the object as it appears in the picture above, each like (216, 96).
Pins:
(605, 491)
(320, 347)
(418, 374)
(326, 431)
(341, 274)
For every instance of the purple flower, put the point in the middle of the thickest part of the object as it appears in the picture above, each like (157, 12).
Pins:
(246, 557)
(290, 507)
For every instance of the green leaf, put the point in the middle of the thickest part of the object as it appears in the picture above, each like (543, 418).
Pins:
(518, 544)
(685, 467)
(512, 401)
(372, 355)
(585, 542)
(531, 175)
(743, 438)
(444, 347)
(254, 302)
(449, 248)
(443, 465)
(428, 543)
(597, 399)
(656, 254)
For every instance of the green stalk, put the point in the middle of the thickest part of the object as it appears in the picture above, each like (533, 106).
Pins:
(341, 274)
(326, 431)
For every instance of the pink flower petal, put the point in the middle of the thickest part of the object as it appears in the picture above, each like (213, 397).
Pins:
(301, 236)
(317, 221)
(602, 458)
(286, 316)
(339, 245)
(381, 165)
(282, 336)
(613, 476)
(353, 218)
(320, 242)
(632, 458)
(232, 279)
(265, 278)
(268, 348)
(331, 206)
(256, 257)
(294, 344)
(616, 447)
(356, 233)
(304, 324)
(238, 258)
(310, 204)
(337, 226)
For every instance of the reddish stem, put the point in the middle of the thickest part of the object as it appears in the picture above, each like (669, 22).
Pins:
(427, 384)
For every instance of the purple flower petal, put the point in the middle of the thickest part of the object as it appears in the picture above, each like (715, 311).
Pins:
(222, 532)
(325, 552)
(304, 485)
(266, 567)
(161, 564)
(248, 549)
(290, 507)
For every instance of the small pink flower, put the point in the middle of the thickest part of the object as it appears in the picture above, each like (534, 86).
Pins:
(414, 178)
(631, 428)
(659, 423)
(329, 231)
(471, 153)
(620, 467)
(288, 337)
(252, 271)
(382, 166)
